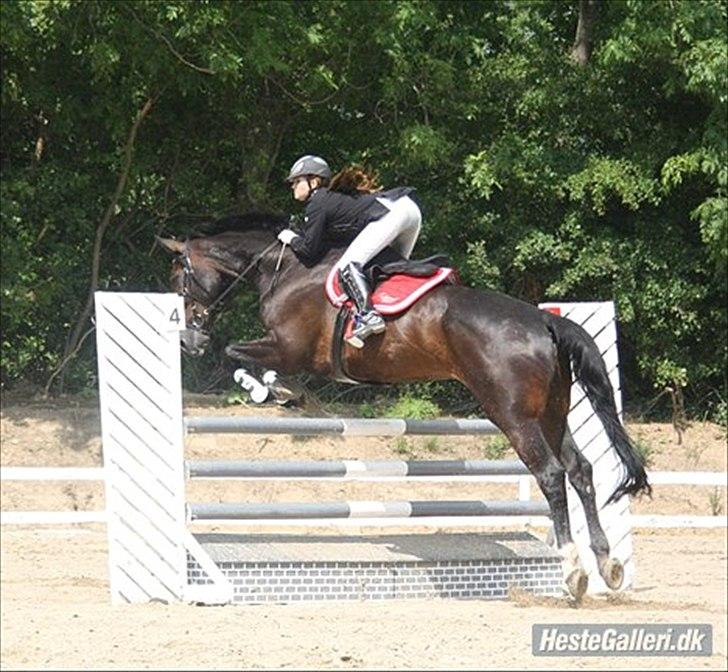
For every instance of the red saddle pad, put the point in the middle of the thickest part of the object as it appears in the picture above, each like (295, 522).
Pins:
(393, 295)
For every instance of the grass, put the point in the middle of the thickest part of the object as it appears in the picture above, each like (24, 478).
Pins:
(495, 447)
(431, 445)
(415, 408)
(716, 502)
(645, 451)
(409, 448)
(403, 447)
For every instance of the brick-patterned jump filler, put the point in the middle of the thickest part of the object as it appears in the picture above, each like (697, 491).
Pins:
(153, 555)
(457, 566)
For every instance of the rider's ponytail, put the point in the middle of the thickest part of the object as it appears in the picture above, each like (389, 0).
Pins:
(355, 179)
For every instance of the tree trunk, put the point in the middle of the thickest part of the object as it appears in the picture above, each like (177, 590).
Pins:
(75, 339)
(584, 40)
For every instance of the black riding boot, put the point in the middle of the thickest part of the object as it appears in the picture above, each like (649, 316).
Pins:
(368, 320)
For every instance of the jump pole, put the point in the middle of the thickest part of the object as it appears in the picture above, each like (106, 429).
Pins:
(150, 546)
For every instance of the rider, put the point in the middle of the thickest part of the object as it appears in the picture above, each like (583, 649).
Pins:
(350, 208)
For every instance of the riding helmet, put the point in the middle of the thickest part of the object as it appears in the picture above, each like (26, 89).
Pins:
(310, 165)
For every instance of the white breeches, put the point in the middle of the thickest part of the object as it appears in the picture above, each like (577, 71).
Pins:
(399, 229)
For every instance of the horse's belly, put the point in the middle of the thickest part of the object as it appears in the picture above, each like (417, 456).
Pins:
(414, 347)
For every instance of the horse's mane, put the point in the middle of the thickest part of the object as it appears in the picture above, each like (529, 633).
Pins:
(267, 221)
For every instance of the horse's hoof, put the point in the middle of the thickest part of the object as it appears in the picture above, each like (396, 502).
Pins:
(576, 583)
(283, 395)
(612, 572)
(290, 401)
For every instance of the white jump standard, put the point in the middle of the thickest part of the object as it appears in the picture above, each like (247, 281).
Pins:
(153, 555)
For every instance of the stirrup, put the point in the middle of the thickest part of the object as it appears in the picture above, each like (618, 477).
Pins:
(368, 324)
(355, 342)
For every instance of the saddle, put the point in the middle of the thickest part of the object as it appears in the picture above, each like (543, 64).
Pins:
(396, 284)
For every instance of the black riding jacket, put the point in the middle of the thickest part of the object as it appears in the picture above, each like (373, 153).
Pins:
(334, 219)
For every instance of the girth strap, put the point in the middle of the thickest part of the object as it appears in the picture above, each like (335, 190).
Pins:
(337, 347)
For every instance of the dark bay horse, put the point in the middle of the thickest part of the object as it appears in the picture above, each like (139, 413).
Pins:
(514, 358)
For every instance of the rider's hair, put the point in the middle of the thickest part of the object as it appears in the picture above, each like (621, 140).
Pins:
(355, 179)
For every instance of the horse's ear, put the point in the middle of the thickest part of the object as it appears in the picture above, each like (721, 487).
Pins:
(171, 245)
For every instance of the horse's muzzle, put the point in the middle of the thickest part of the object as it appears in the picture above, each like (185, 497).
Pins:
(194, 342)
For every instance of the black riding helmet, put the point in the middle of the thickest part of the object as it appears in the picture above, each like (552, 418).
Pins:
(310, 165)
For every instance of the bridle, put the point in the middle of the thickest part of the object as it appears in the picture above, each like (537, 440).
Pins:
(200, 318)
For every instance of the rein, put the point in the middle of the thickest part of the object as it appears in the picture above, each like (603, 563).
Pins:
(274, 280)
(189, 273)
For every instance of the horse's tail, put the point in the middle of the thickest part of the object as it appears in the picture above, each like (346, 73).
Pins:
(590, 371)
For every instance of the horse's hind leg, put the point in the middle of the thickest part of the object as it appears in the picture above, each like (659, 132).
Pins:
(579, 471)
(530, 444)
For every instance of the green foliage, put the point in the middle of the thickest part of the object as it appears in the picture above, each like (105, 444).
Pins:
(477, 268)
(720, 414)
(403, 447)
(237, 398)
(645, 450)
(539, 177)
(416, 408)
(410, 448)
(495, 447)
(716, 502)
(367, 410)
(431, 445)
(604, 179)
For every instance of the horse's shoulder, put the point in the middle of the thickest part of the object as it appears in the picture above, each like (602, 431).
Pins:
(322, 264)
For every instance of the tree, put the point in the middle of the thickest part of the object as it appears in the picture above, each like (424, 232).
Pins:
(583, 42)
(561, 150)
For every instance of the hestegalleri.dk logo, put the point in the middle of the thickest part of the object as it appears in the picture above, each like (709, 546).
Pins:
(622, 639)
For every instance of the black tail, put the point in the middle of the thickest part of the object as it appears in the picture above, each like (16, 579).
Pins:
(590, 371)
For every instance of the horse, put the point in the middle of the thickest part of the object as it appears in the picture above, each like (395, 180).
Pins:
(514, 358)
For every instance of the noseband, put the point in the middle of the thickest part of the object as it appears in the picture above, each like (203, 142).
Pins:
(199, 319)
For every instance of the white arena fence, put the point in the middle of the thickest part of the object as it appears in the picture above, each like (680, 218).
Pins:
(713, 479)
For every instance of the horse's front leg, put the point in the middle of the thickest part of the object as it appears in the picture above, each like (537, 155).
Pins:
(263, 352)
(266, 355)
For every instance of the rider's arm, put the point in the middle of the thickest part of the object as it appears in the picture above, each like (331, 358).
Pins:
(309, 244)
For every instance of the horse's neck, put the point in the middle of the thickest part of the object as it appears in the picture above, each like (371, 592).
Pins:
(292, 276)
(233, 249)
(245, 251)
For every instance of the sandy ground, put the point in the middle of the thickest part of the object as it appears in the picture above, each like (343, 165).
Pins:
(54, 594)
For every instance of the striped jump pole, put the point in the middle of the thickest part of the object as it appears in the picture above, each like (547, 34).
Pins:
(324, 510)
(340, 426)
(153, 555)
(351, 469)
